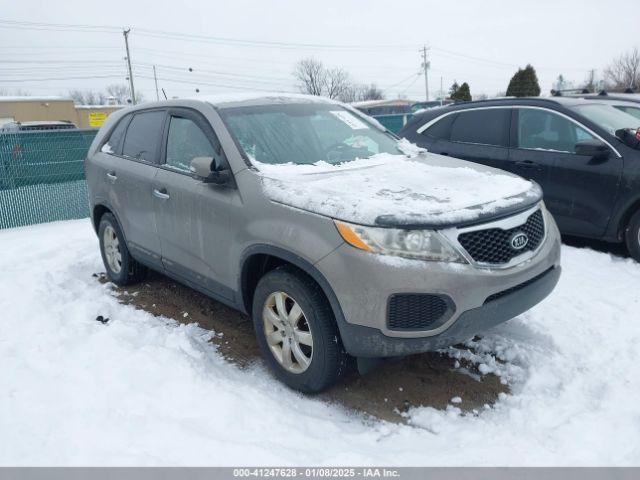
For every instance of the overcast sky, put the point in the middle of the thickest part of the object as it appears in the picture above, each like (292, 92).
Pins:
(250, 44)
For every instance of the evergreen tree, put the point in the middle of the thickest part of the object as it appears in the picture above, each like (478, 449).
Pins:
(454, 88)
(524, 83)
(462, 94)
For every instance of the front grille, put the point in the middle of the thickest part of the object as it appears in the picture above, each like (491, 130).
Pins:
(515, 288)
(413, 311)
(494, 245)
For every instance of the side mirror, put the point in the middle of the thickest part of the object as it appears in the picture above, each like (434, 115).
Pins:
(592, 148)
(204, 169)
(629, 136)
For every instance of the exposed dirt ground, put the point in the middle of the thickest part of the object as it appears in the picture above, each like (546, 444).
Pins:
(429, 379)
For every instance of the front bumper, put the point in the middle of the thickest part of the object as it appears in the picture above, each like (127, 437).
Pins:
(364, 282)
(362, 341)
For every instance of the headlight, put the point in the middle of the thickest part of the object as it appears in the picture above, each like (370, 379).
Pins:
(416, 244)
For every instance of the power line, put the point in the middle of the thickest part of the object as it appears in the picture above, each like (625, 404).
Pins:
(49, 79)
(221, 85)
(191, 37)
(19, 24)
(416, 75)
(252, 43)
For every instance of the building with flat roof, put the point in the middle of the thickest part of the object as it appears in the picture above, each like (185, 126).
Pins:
(48, 108)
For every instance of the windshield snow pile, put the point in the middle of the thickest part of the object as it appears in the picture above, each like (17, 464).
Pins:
(418, 189)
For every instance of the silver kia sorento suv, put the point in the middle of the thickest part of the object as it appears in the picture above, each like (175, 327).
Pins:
(336, 237)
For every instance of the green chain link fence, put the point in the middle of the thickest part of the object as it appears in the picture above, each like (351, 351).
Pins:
(42, 176)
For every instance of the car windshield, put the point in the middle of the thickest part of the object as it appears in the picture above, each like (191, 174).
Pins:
(607, 117)
(305, 133)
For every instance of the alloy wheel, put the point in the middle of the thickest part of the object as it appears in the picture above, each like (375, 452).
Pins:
(287, 332)
(112, 249)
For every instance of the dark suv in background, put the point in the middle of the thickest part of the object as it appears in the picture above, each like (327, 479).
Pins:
(585, 154)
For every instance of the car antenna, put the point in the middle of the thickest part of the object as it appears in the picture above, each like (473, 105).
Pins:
(164, 93)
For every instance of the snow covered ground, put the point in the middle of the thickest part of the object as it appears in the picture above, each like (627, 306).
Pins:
(143, 390)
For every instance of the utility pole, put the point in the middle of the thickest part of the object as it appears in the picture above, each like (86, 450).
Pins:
(592, 79)
(425, 65)
(155, 79)
(126, 44)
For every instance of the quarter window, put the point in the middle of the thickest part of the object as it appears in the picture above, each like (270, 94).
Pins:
(114, 144)
(543, 130)
(185, 142)
(143, 136)
(489, 126)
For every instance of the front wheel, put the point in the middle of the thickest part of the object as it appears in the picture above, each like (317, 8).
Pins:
(632, 236)
(297, 331)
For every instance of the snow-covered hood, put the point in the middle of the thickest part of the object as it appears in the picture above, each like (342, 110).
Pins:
(421, 189)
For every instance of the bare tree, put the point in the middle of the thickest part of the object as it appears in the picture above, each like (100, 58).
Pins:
(370, 92)
(337, 83)
(17, 93)
(350, 94)
(315, 79)
(121, 94)
(624, 71)
(88, 97)
(311, 75)
(360, 92)
(592, 83)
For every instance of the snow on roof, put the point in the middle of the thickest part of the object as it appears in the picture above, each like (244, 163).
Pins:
(26, 98)
(45, 122)
(101, 106)
(248, 96)
(379, 103)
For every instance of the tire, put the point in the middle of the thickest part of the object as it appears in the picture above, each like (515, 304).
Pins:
(327, 359)
(632, 236)
(122, 268)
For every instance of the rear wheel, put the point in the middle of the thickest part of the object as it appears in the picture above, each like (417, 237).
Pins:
(632, 236)
(297, 331)
(122, 268)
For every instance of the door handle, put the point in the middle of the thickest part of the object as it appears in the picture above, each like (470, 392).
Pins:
(112, 176)
(162, 193)
(529, 165)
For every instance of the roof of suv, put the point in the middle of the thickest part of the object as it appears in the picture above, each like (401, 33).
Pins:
(259, 98)
(563, 101)
(229, 100)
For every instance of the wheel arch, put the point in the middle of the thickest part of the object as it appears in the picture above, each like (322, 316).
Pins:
(259, 259)
(632, 207)
(98, 210)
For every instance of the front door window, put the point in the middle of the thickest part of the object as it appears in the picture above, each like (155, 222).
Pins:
(186, 141)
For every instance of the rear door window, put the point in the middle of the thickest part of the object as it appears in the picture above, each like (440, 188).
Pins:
(488, 126)
(143, 136)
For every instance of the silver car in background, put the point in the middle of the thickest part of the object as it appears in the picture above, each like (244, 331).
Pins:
(337, 238)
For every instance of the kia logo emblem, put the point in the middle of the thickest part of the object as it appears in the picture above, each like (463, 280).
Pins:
(519, 240)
